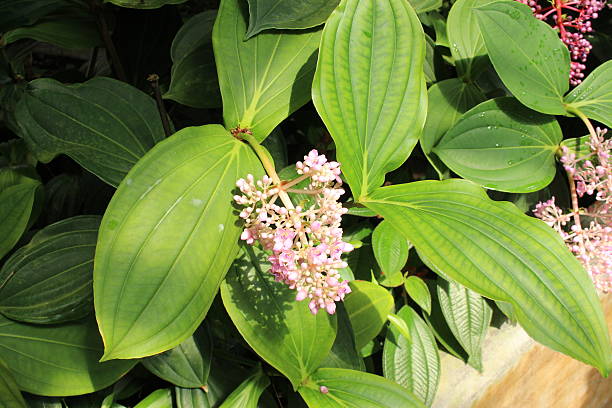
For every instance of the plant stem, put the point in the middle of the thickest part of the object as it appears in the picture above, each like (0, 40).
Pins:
(98, 10)
(154, 80)
(264, 157)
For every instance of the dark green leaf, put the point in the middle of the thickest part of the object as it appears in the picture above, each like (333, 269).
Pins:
(167, 239)
(413, 363)
(281, 330)
(504, 146)
(527, 54)
(468, 316)
(593, 97)
(248, 393)
(350, 388)
(16, 204)
(494, 249)
(17, 13)
(103, 124)
(188, 364)
(290, 14)
(344, 353)
(57, 360)
(50, 279)
(369, 87)
(265, 79)
(194, 74)
(144, 4)
(10, 396)
(418, 291)
(368, 306)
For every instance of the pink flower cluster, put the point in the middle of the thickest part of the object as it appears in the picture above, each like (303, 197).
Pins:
(592, 242)
(305, 243)
(572, 19)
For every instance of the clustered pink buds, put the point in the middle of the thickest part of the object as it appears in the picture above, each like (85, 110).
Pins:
(592, 243)
(305, 243)
(572, 19)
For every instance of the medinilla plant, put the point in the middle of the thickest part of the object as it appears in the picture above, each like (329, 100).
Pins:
(295, 203)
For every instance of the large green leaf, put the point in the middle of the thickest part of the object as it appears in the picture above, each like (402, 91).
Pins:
(503, 145)
(290, 14)
(103, 124)
(368, 306)
(16, 204)
(167, 239)
(194, 74)
(468, 316)
(413, 363)
(527, 54)
(188, 364)
(157, 399)
(50, 279)
(248, 393)
(350, 388)
(391, 252)
(466, 43)
(369, 87)
(494, 249)
(57, 360)
(144, 4)
(281, 330)
(17, 13)
(264, 79)
(10, 396)
(593, 97)
(344, 353)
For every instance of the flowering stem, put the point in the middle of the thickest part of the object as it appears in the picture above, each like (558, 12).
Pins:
(268, 165)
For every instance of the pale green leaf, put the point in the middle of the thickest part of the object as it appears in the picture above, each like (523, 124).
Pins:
(16, 204)
(157, 399)
(418, 291)
(593, 97)
(391, 252)
(369, 87)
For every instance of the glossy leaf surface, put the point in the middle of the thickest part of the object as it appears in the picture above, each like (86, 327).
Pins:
(535, 71)
(494, 249)
(10, 396)
(50, 279)
(503, 145)
(593, 96)
(248, 393)
(281, 330)
(15, 208)
(167, 239)
(57, 360)
(265, 79)
(368, 306)
(349, 388)
(290, 14)
(413, 363)
(369, 88)
(188, 364)
(468, 316)
(103, 124)
(157, 399)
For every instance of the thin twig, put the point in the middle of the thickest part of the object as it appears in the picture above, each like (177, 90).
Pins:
(154, 80)
(98, 9)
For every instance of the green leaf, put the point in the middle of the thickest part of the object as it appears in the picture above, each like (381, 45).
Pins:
(248, 393)
(157, 399)
(17, 164)
(16, 204)
(400, 325)
(423, 6)
(289, 14)
(527, 54)
(167, 239)
(494, 249)
(194, 74)
(17, 13)
(578, 146)
(368, 306)
(418, 291)
(413, 363)
(448, 100)
(281, 330)
(369, 87)
(593, 97)
(50, 279)
(103, 124)
(343, 353)
(10, 396)
(144, 4)
(350, 388)
(35, 401)
(391, 252)
(468, 316)
(466, 44)
(57, 360)
(504, 146)
(188, 364)
(265, 79)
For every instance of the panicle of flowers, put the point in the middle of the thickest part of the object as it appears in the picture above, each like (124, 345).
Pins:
(592, 243)
(572, 19)
(305, 243)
